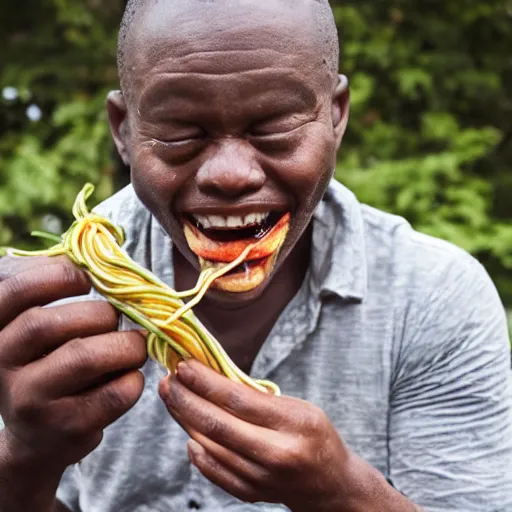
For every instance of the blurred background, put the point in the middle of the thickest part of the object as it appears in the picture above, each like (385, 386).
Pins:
(430, 136)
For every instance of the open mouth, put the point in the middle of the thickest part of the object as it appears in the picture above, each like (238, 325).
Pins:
(229, 229)
(217, 240)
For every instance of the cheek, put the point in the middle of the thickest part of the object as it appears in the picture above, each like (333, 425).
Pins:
(308, 169)
(155, 181)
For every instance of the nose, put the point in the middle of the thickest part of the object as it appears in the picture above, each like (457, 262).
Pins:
(231, 170)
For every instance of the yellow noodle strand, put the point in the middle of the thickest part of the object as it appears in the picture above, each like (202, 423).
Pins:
(175, 334)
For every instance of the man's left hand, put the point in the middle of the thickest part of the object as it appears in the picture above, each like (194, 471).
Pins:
(259, 447)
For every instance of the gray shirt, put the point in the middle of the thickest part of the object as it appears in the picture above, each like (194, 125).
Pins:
(399, 337)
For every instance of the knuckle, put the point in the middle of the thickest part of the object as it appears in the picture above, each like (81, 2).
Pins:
(24, 407)
(236, 402)
(69, 423)
(12, 288)
(33, 324)
(316, 421)
(115, 399)
(288, 456)
(265, 478)
(81, 355)
(69, 274)
(121, 397)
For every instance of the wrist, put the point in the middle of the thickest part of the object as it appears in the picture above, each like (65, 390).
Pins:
(27, 482)
(365, 489)
(19, 455)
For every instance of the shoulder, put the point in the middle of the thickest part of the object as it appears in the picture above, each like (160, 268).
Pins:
(412, 250)
(423, 267)
(440, 297)
(448, 315)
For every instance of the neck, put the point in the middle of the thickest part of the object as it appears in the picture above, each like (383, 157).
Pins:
(242, 331)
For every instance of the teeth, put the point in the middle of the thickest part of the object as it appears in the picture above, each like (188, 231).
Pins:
(234, 222)
(204, 221)
(251, 219)
(217, 221)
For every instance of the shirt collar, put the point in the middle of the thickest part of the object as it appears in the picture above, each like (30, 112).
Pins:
(338, 258)
(338, 261)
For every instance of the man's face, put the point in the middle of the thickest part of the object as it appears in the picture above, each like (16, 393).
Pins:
(230, 137)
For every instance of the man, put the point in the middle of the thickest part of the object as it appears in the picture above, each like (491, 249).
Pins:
(390, 347)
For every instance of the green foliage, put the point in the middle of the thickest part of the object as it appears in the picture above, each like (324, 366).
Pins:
(59, 55)
(430, 130)
(429, 135)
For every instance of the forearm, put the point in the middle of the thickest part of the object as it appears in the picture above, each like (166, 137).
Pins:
(366, 490)
(26, 484)
(377, 495)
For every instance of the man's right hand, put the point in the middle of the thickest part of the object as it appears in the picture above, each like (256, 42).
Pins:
(65, 371)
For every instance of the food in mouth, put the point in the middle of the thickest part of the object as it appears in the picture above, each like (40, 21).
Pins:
(217, 240)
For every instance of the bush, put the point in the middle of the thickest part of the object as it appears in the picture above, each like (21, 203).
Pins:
(429, 136)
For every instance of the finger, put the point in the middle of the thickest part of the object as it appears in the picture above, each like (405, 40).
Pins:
(12, 265)
(38, 287)
(97, 408)
(239, 399)
(85, 362)
(247, 469)
(220, 426)
(221, 476)
(39, 331)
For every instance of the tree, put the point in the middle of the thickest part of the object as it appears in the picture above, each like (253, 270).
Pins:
(429, 135)
(60, 58)
(431, 126)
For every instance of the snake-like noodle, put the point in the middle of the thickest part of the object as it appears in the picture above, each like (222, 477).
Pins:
(175, 334)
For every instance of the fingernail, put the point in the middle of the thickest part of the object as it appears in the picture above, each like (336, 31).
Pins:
(168, 391)
(195, 450)
(183, 370)
(144, 332)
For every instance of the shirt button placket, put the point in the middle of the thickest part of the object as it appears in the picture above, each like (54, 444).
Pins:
(195, 495)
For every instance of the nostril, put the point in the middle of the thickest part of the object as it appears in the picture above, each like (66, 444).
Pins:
(232, 170)
(230, 182)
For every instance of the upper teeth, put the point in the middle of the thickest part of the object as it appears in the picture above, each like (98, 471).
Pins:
(218, 221)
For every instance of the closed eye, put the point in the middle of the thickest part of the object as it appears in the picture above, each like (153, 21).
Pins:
(276, 134)
(279, 127)
(177, 142)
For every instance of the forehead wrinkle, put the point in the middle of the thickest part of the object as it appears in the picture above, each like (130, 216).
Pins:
(288, 26)
(183, 84)
(236, 64)
(219, 62)
(194, 74)
(257, 45)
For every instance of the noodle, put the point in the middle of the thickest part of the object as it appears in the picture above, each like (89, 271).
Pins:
(175, 334)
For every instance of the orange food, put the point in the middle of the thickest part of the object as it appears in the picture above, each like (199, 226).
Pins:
(225, 252)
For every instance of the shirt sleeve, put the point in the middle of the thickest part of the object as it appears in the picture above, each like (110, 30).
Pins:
(450, 425)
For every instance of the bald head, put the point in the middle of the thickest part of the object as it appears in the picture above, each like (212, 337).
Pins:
(315, 22)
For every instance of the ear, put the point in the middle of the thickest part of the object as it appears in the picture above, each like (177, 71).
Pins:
(340, 109)
(118, 119)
